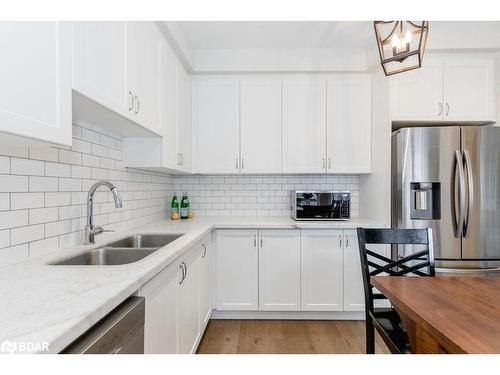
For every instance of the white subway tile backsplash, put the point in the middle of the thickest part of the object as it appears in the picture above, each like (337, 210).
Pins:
(11, 183)
(26, 234)
(4, 164)
(43, 183)
(43, 193)
(46, 153)
(13, 219)
(19, 201)
(4, 201)
(4, 238)
(43, 215)
(57, 199)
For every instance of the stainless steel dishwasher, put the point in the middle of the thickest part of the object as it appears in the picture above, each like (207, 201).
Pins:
(119, 332)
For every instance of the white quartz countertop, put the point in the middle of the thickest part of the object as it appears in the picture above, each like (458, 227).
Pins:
(50, 304)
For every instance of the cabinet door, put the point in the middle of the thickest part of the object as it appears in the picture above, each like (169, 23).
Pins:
(279, 270)
(304, 126)
(216, 122)
(160, 328)
(99, 63)
(169, 107)
(417, 95)
(322, 270)
(469, 91)
(183, 118)
(261, 125)
(144, 45)
(349, 124)
(35, 76)
(205, 282)
(237, 270)
(189, 290)
(354, 298)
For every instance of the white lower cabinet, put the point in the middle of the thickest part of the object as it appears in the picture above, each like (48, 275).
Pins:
(322, 270)
(279, 270)
(354, 297)
(205, 282)
(237, 270)
(160, 329)
(189, 289)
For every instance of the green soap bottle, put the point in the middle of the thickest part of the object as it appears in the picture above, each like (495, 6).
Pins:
(174, 208)
(184, 206)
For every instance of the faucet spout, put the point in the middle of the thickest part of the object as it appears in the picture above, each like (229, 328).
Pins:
(90, 229)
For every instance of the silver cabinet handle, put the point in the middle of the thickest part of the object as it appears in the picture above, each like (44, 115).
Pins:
(329, 163)
(440, 109)
(242, 163)
(186, 270)
(340, 240)
(261, 241)
(324, 163)
(470, 193)
(136, 99)
(346, 240)
(182, 158)
(204, 250)
(255, 241)
(447, 109)
(237, 162)
(181, 266)
(130, 101)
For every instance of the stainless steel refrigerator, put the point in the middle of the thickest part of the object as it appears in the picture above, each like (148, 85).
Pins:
(448, 178)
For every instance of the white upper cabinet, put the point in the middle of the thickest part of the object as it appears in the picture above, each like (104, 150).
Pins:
(216, 125)
(183, 112)
(100, 63)
(279, 270)
(35, 76)
(469, 93)
(304, 125)
(417, 95)
(260, 125)
(171, 157)
(237, 270)
(445, 89)
(143, 71)
(322, 270)
(349, 124)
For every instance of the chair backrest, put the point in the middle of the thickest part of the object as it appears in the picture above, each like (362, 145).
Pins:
(420, 263)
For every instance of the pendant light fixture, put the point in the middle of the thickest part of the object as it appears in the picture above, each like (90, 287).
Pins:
(401, 44)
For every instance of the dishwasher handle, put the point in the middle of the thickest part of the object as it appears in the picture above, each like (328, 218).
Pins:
(119, 332)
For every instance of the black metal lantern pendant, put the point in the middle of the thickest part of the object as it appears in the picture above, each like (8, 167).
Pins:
(401, 44)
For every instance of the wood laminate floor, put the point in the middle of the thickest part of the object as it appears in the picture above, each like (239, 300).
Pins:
(286, 337)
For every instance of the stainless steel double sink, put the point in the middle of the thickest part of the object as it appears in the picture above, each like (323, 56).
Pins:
(127, 250)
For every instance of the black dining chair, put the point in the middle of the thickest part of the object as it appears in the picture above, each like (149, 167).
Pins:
(420, 263)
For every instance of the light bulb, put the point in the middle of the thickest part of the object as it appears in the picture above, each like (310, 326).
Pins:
(395, 41)
(407, 38)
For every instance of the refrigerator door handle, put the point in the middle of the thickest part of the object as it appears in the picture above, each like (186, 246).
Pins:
(458, 223)
(470, 193)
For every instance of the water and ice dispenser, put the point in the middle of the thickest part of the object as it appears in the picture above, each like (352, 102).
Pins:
(425, 201)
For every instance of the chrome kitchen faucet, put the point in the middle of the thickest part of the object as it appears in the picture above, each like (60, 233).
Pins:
(90, 229)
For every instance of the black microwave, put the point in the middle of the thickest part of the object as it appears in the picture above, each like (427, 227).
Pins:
(321, 205)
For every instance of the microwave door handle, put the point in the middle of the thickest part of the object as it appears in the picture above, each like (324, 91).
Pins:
(470, 193)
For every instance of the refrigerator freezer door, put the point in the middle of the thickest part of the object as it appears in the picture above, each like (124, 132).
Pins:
(423, 159)
(481, 151)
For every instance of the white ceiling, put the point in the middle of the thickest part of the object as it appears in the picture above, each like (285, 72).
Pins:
(277, 34)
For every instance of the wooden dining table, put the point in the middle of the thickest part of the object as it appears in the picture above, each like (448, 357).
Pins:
(446, 314)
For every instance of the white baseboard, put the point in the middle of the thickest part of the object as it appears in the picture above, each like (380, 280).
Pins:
(289, 315)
